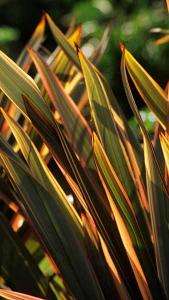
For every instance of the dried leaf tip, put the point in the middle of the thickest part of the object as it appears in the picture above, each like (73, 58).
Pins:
(122, 47)
(77, 48)
(43, 20)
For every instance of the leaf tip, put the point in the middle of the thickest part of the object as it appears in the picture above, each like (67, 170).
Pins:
(122, 47)
(77, 47)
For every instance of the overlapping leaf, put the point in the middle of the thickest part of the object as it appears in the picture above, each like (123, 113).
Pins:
(55, 230)
(62, 41)
(24, 61)
(156, 190)
(40, 171)
(151, 92)
(22, 271)
(15, 83)
(107, 129)
(78, 130)
(127, 224)
(100, 215)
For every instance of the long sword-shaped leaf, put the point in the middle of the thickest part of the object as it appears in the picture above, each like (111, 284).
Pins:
(17, 265)
(97, 258)
(10, 295)
(131, 235)
(41, 172)
(58, 60)
(159, 216)
(100, 49)
(62, 41)
(162, 40)
(151, 92)
(100, 110)
(156, 188)
(123, 213)
(14, 82)
(167, 1)
(78, 130)
(96, 208)
(165, 147)
(24, 61)
(55, 231)
(108, 133)
(59, 63)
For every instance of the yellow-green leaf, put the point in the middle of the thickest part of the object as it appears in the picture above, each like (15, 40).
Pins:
(156, 191)
(63, 42)
(14, 82)
(153, 95)
(106, 129)
(41, 172)
(165, 147)
(77, 128)
(55, 230)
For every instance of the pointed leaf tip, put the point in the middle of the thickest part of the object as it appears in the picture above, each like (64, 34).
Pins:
(122, 47)
(77, 48)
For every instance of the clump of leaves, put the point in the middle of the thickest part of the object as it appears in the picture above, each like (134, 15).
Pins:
(63, 134)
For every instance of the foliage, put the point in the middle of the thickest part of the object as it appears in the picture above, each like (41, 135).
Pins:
(132, 21)
(64, 136)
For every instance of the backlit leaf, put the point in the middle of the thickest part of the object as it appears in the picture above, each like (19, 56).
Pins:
(151, 92)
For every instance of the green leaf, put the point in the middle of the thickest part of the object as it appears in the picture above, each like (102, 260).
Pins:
(55, 230)
(58, 60)
(24, 61)
(124, 215)
(15, 83)
(17, 265)
(98, 209)
(104, 123)
(78, 130)
(156, 189)
(151, 92)
(40, 171)
(101, 47)
(63, 42)
(130, 231)
(159, 216)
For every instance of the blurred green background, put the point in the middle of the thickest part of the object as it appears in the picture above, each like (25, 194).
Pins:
(132, 21)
